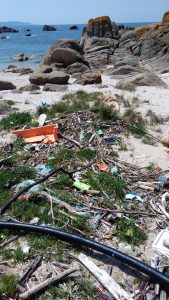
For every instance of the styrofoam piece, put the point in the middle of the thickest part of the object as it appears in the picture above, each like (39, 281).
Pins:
(158, 246)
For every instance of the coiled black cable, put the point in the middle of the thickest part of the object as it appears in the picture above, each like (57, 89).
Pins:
(155, 276)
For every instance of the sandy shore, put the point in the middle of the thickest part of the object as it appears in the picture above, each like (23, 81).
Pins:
(150, 98)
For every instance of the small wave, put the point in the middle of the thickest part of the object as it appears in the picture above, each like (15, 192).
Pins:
(33, 35)
(8, 37)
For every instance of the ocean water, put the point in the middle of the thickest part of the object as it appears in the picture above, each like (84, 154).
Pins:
(37, 44)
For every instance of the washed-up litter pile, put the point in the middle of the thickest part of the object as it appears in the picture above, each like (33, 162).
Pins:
(67, 175)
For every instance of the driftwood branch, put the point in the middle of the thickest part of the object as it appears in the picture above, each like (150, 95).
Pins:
(11, 240)
(40, 287)
(70, 140)
(31, 270)
(108, 282)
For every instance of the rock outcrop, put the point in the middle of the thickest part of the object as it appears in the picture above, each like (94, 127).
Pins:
(145, 79)
(49, 28)
(6, 85)
(48, 87)
(90, 78)
(20, 57)
(105, 47)
(98, 41)
(7, 29)
(73, 27)
(29, 88)
(165, 18)
(65, 56)
(54, 77)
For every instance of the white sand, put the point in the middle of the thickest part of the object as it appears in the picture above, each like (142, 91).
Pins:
(154, 98)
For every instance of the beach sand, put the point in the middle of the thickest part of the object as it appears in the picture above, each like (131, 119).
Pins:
(150, 98)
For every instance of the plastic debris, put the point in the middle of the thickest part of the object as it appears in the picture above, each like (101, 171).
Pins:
(81, 135)
(103, 167)
(159, 245)
(133, 196)
(43, 170)
(35, 189)
(46, 134)
(164, 182)
(44, 104)
(81, 186)
(111, 139)
(41, 120)
(100, 132)
(114, 170)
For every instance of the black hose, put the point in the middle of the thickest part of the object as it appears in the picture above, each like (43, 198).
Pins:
(156, 276)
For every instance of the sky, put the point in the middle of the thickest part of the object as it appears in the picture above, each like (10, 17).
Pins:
(79, 11)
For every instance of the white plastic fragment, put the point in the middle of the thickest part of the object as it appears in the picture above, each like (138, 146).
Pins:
(158, 245)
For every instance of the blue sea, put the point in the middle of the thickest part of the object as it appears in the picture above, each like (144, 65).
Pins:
(37, 44)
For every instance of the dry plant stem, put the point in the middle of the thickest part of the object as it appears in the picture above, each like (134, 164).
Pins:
(120, 211)
(40, 287)
(5, 243)
(150, 135)
(70, 140)
(48, 196)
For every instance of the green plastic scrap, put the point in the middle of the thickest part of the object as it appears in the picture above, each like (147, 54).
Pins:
(81, 186)
(100, 132)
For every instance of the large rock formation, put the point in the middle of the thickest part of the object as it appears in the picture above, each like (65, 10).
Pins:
(49, 28)
(148, 43)
(66, 57)
(98, 41)
(116, 51)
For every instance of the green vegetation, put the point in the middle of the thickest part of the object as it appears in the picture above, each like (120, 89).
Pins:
(148, 140)
(7, 286)
(104, 112)
(130, 87)
(10, 102)
(84, 290)
(122, 145)
(155, 119)
(62, 155)
(14, 120)
(10, 177)
(127, 230)
(70, 103)
(135, 122)
(80, 101)
(4, 108)
(83, 96)
(133, 103)
(151, 167)
(107, 183)
(86, 153)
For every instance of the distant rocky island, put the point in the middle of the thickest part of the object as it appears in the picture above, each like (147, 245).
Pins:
(5, 29)
(49, 28)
